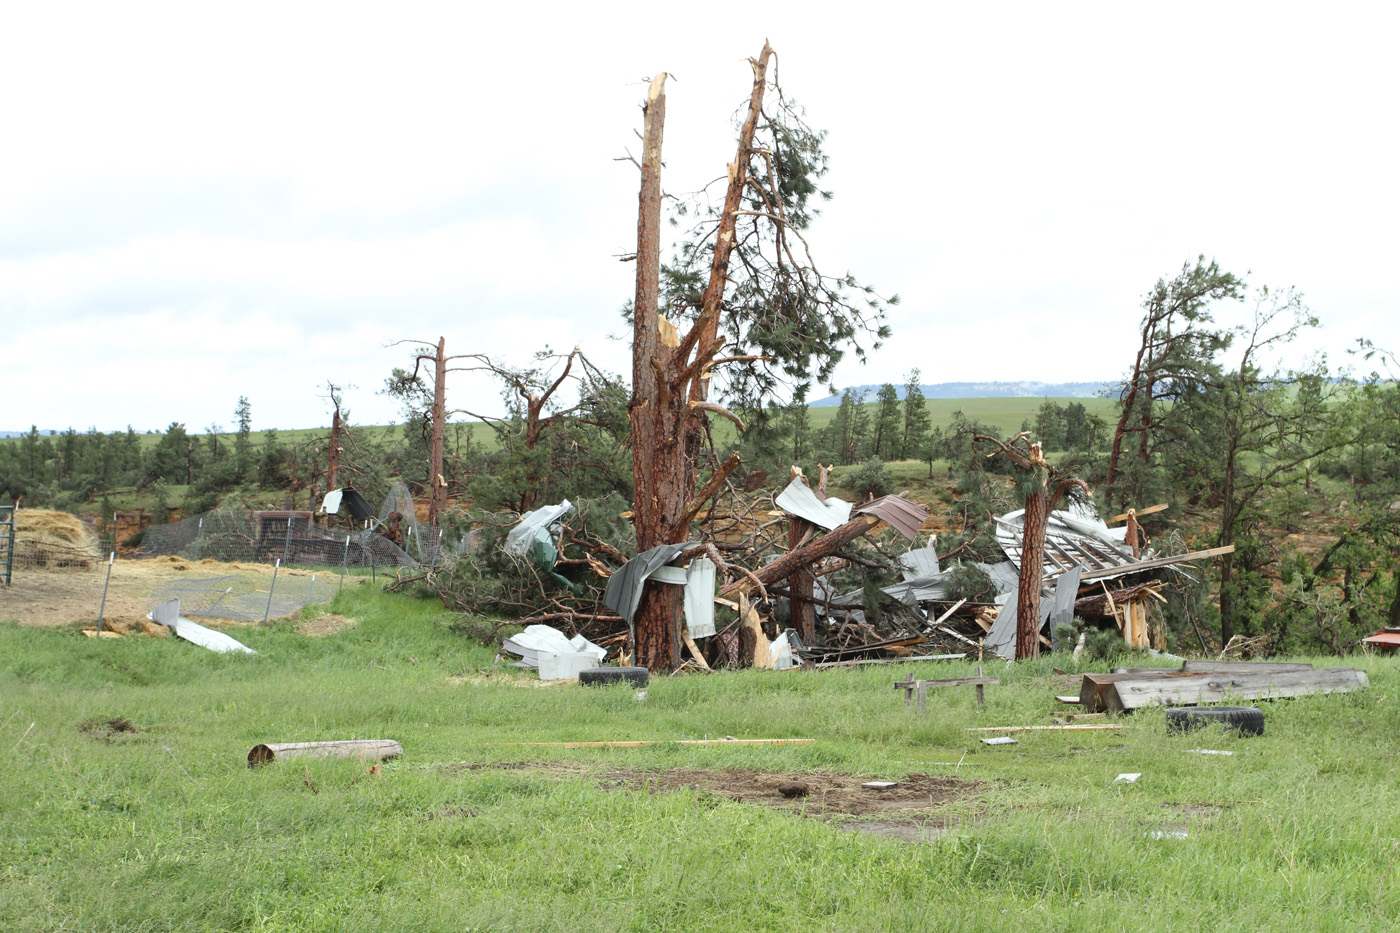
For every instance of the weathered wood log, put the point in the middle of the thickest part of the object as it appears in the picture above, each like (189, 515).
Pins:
(377, 749)
(1094, 688)
(1214, 688)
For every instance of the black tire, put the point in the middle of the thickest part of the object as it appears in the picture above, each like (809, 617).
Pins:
(1246, 720)
(637, 676)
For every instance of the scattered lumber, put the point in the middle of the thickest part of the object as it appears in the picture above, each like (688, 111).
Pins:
(857, 662)
(1155, 563)
(378, 749)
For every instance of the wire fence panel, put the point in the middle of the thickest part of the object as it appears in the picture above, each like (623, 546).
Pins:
(291, 537)
(248, 597)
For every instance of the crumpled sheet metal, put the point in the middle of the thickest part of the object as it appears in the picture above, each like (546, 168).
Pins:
(899, 513)
(521, 538)
(624, 590)
(920, 562)
(557, 656)
(168, 614)
(799, 499)
(1074, 537)
(700, 597)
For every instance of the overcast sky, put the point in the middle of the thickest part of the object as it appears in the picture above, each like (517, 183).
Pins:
(204, 201)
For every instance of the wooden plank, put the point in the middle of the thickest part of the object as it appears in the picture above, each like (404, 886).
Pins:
(636, 744)
(951, 682)
(858, 662)
(1217, 687)
(1160, 507)
(1242, 667)
(1084, 728)
(1158, 562)
(1094, 690)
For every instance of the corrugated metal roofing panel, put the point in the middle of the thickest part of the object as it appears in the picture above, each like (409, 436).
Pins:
(800, 500)
(900, 514)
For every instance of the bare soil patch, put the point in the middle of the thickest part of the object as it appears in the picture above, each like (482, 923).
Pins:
(907, 811)
(50, 598)
(328, 624)
(107, 730)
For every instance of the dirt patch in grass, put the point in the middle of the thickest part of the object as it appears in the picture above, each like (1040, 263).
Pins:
(107, 729)
(324, 625)
(908, 811)
(499, 679)
(63, 597)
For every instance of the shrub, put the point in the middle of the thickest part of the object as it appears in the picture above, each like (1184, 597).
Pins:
(871, 479)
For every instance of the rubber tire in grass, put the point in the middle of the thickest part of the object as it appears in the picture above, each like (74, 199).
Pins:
(1246, 720)
(637, 676)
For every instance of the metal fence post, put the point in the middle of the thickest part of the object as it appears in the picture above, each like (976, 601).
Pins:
(103, 608)
(287, 546)
(343, 561)
(275, 567)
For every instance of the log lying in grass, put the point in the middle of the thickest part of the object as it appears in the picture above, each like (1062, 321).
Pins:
(1175, 688)
(377, 749)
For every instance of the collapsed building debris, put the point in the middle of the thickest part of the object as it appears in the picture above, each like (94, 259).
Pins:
(810, 583)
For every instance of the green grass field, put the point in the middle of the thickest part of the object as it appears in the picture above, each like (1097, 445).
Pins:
(1005, 413)
(165, 828)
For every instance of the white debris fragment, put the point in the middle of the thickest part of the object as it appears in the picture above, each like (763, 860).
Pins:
(1000, 740)
(1129, 777)
(1207, 751)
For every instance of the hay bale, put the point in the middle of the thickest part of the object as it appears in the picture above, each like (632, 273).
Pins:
(48, 540)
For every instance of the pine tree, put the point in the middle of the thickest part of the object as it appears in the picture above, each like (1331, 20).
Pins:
(917, 420)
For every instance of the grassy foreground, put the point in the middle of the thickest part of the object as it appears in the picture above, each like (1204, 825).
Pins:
(166, 828)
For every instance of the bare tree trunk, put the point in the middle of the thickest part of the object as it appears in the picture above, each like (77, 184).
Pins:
(1032, 567)
(333, 457)
(669, 386)
(437, 484)
(800, 607)
(658, 464)
(1028, 587)
(806, 555)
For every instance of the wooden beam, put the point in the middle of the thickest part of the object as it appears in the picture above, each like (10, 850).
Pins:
(635, 744)
(1084, 728)
(1160, 507)
(1215, 688)
(1157, 562)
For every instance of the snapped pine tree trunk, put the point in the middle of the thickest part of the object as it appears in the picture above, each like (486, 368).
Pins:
(669, 384)
(437, 485)
(1032, 569)
(655, 411)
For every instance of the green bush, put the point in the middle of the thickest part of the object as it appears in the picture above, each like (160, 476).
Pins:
(871, 479)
